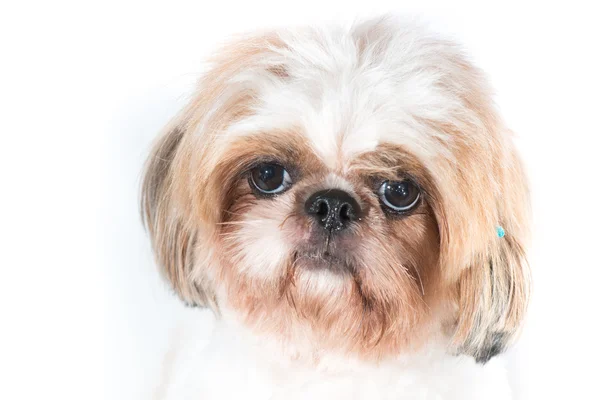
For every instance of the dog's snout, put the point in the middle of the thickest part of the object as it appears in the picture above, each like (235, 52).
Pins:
(333, 209)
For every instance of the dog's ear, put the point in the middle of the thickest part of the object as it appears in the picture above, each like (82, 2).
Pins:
(173, 236)
(480, 199)
(183, 185)
(492, 300)
(493, 289)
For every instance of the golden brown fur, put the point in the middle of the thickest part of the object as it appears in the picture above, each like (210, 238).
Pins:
(440, 269)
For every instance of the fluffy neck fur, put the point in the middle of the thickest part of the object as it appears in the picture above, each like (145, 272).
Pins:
(232, 363)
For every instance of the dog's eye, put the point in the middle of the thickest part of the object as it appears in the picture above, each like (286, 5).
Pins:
(400, 196)
(270, 178)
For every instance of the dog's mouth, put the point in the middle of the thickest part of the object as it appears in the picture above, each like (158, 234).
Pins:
(323, 259)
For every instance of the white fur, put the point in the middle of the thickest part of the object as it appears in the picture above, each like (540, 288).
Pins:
(364, 100)
(232, 364)
(264, 248)
(345, 105)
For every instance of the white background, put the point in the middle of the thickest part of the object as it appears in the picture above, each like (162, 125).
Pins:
(85, 87)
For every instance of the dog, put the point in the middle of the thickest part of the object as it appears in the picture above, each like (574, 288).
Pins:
(351, 207)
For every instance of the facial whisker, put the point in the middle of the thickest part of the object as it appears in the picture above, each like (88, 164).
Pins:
(234, 213)
(286, 219)
(420, 281)
(247, 222)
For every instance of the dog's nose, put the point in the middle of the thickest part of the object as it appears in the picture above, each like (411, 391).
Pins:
(333, 209)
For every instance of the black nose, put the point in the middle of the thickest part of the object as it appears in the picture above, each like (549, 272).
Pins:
(333, 209)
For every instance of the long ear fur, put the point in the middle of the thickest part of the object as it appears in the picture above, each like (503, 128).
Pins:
(173, 239)
(479, 187)
(181, 199)
(493, 291)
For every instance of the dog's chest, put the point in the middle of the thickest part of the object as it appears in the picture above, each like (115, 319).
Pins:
(229, 367)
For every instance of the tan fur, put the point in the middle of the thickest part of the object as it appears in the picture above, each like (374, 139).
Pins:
(171, 208)
(441, 268)
(377, 311)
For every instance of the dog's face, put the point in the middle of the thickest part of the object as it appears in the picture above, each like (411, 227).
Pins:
(348, 247)
(344, 189)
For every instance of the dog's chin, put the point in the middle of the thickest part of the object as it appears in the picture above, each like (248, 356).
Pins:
(323, 260)
(325, 263)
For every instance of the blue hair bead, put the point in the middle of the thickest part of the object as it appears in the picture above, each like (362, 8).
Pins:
(500, 231)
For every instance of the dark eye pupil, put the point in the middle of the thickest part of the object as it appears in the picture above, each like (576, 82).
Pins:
(401, 194)
(268, 177)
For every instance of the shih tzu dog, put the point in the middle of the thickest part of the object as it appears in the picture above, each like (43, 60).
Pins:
(351, 207)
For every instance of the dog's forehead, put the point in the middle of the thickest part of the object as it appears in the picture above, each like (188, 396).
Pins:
(341, 120)
(347, 98)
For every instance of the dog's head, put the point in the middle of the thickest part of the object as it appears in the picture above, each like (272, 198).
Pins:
(345, 186)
